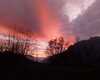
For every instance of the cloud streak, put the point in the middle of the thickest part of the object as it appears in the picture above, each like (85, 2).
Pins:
(41, 17)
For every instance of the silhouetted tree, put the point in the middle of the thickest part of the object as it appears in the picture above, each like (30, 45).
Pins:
(83, 52)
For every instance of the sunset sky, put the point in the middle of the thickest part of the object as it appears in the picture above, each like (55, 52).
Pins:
(47, 18)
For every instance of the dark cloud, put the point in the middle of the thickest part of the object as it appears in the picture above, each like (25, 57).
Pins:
(20, 13)
(88, 24)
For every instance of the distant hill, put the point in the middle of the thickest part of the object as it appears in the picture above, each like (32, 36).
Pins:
(86, 52)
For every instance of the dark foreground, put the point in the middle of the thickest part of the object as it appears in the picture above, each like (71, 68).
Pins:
(81, 61)
(18, 67)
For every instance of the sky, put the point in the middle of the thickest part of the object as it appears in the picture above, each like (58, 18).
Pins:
(45, 18)
(74, 8)
(88, 24)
